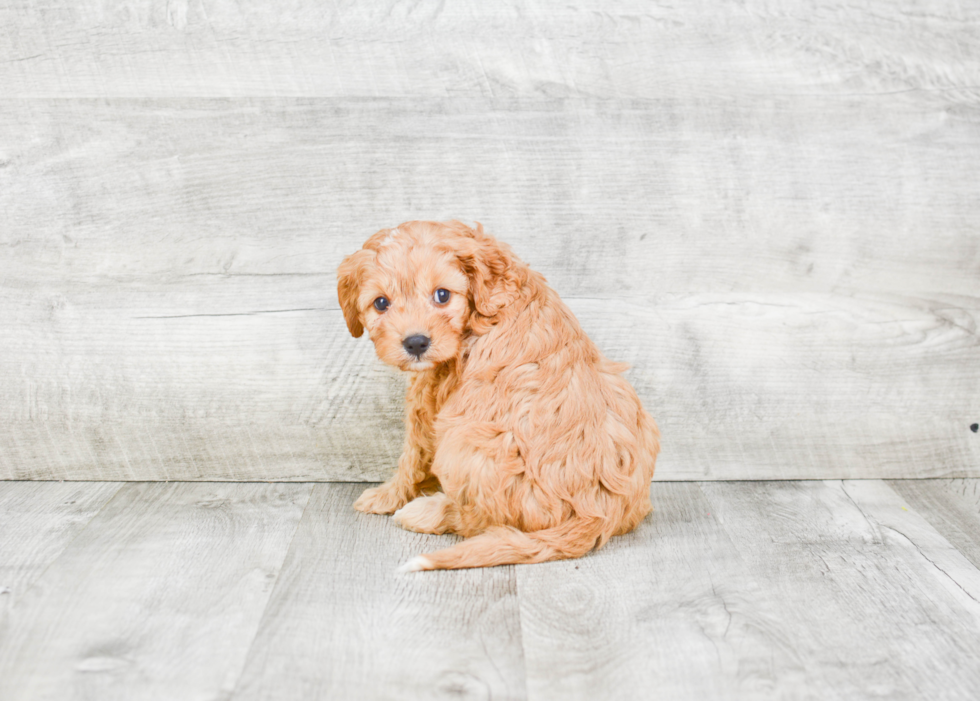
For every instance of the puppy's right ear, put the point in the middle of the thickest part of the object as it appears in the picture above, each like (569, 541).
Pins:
(349, 277)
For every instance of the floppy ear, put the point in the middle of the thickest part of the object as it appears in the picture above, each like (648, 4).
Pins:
(349, 276)
(489, 264)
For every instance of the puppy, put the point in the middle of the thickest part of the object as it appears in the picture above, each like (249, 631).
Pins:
(520, 435)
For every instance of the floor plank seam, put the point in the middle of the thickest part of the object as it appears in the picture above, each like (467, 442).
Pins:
(873, 525)
(245, 658)
(933, 562)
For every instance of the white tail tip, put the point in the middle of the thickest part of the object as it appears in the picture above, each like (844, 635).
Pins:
(416, 564)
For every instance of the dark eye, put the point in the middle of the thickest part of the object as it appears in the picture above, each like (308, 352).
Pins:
(381, 303)
(441, 296)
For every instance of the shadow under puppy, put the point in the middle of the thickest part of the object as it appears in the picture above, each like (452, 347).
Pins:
(540, 448)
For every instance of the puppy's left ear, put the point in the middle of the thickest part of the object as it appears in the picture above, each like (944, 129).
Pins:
(349, 276)
(490, 267)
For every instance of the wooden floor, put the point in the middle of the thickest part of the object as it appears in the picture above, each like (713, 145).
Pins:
(854, 589)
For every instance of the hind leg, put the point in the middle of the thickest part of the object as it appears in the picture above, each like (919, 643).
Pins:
(433, 514)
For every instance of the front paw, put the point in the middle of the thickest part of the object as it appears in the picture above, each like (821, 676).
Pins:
(424, 514)
(385, 499)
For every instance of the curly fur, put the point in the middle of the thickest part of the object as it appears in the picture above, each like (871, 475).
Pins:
(540, 448)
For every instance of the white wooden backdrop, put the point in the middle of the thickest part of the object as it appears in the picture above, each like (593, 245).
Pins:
(771, 209)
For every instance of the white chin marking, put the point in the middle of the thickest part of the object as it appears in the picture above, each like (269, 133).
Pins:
(419, 366)
(416, 564)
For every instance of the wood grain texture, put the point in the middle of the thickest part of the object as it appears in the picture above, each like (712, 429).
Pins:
(729, 590)
(37, 522)
(768, 208)
(739, 390)
(671, 607)
(158, 598)
(223, 48)
(952, 507)
(608, 198)
(885, 509)
(759, 590)
(341, 624)
(793, 279)
(861, 584)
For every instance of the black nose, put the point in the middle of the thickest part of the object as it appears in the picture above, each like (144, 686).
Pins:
(416, 345)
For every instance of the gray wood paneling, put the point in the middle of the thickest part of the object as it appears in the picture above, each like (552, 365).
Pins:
(608, 198)
(794, 280)
(756, 48)
(158, 598)
(342, 625)
(768, 208)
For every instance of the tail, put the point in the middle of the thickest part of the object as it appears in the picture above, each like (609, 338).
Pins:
(500, 545)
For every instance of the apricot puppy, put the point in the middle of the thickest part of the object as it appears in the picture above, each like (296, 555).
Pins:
(520, 435)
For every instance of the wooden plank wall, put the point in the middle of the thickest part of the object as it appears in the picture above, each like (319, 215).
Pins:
(770, 209)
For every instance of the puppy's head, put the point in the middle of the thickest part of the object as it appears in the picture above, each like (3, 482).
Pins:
(420, 288)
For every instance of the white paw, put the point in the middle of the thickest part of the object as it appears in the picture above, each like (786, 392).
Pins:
(416, 564)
